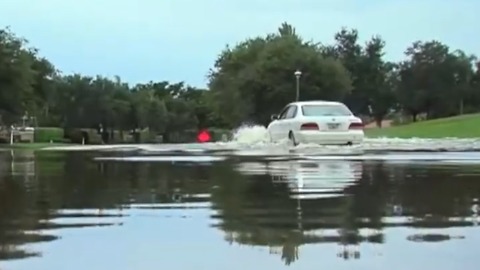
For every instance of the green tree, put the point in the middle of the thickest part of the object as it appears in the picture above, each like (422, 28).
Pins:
(181, 117)
(157, 115)
(16, 76)
(255, 78)
(463, 73)
(347, 50)
(377, 80)
(372, 77)
(434, 80)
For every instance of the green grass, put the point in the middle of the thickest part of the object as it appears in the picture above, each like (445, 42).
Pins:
(464, 126)
(31, 146)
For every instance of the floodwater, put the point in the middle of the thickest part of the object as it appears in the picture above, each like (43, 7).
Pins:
(162, 210)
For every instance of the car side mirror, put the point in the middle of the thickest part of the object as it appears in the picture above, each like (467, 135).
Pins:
(274, 117)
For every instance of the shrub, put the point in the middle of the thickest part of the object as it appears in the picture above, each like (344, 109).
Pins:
(47, 134)
(91, 136)
(74, 135)
(150, 137)
(219, 133)
(86, 135)
(145, 136)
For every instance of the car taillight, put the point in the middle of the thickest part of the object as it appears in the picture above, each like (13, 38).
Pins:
(356, 126)
(309, 126)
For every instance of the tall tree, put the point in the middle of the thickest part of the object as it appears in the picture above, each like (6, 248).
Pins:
(255, 79)
(16, 76)
(434, 80)
(349, 52)
(375, 82)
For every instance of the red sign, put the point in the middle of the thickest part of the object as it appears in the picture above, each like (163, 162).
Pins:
(203, 136)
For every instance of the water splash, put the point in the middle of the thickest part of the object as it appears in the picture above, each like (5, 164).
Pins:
(251, 134)
(254, 140)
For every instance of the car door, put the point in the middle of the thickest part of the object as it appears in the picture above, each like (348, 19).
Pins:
(288, 122)
(275, 128)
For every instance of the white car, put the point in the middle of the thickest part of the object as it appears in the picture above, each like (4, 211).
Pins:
(320, 122)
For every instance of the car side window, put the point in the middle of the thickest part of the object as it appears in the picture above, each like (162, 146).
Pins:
(292, 112)
(283, 114)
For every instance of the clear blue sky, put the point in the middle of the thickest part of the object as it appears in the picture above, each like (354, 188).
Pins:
(178, 40)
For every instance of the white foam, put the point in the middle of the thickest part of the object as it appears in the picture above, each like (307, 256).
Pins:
(251, 134)
(401, 157)
(93, 147)
(255, 141)
(258, 137)
(163, 158)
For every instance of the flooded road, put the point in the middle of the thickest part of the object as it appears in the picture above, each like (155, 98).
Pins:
(106, 210)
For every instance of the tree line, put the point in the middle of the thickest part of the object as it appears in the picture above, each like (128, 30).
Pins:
(248, 82)
(255, 78)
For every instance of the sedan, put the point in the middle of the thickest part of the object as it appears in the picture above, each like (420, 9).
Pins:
(319, 122)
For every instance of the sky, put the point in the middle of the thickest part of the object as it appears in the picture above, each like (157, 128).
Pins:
(179, 40)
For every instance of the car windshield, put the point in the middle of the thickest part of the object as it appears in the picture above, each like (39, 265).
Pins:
(325, 110)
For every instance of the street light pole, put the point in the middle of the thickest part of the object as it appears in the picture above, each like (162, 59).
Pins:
(297, 74)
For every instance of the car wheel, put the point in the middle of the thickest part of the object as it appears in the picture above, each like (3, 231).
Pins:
(292, 139)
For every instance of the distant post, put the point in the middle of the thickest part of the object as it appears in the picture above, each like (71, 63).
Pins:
(297, 74)
(11, 135)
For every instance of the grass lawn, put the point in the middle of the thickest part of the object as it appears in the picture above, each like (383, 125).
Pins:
(464, 126)
(30, 146)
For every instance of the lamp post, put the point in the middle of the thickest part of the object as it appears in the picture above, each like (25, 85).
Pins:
(298, 73)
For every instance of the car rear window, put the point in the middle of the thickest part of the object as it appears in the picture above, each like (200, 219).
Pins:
(325, 110)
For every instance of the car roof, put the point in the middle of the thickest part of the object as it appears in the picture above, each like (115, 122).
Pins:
(315, 102)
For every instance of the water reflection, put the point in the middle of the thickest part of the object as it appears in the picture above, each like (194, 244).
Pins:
(344, 202)
(32, 206)
(308, 179)
(311, 206)
(281, 206)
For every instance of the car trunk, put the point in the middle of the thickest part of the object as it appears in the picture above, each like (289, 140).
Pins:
(330, 123)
